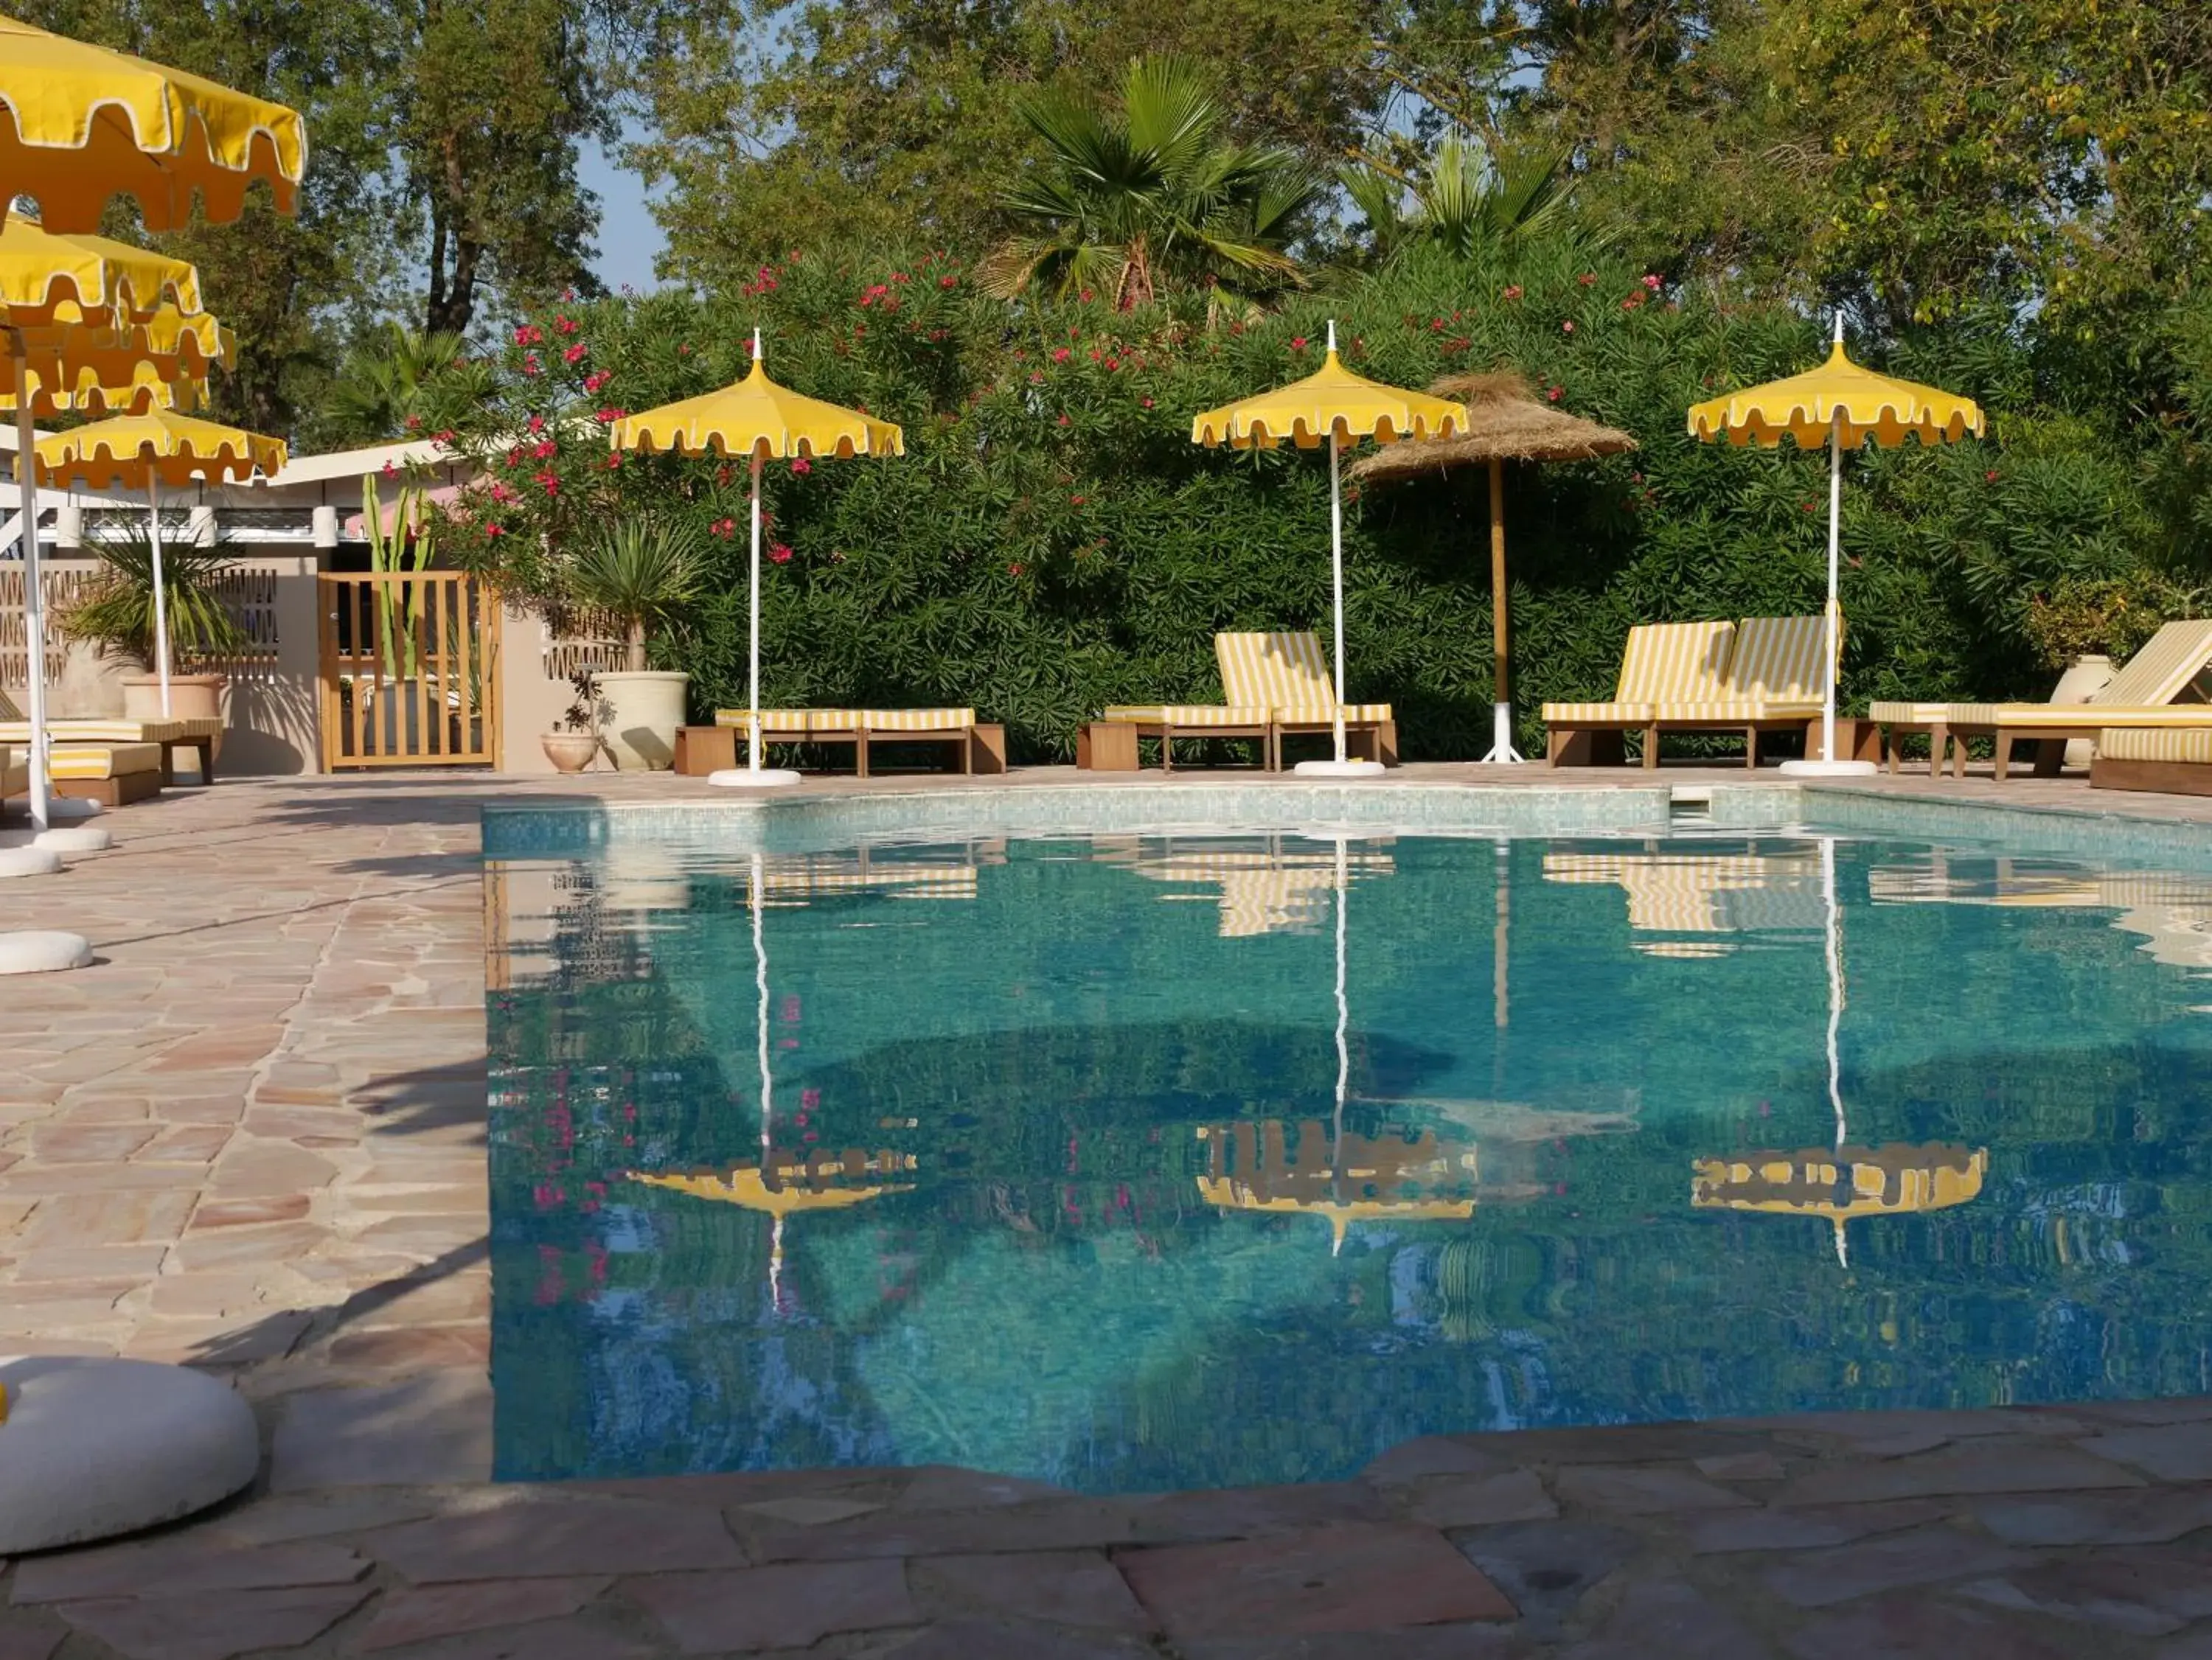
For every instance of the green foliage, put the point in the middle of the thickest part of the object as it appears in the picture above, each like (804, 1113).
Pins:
(1148, 199)
(401, 382)
(641, 573)
(1052, 542)
(1464, 200)
(119, 611)
(408, 542)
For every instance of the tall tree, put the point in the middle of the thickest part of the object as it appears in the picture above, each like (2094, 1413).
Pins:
(494, 99)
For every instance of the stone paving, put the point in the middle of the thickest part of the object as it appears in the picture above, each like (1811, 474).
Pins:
(251, 1139)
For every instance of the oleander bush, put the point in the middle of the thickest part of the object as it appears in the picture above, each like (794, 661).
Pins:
(1052, 540)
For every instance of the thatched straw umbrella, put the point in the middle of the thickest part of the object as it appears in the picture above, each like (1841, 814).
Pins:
(1504, 422)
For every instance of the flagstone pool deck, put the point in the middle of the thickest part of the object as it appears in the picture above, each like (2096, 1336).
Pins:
(251, 1139)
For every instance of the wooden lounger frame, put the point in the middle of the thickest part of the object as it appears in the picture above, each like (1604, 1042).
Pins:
(982, 747)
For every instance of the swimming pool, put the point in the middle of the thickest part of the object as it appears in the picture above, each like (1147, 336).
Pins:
(1138, 1160)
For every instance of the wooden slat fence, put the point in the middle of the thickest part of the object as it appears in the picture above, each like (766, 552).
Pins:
(409, 671)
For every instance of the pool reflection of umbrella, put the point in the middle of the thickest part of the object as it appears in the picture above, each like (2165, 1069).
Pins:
(783, 1183)
(1355, 1178)
(1841, 1182)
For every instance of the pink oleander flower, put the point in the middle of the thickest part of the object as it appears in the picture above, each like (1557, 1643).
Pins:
(1586, 278)
(1061, 353)
(1299, 342)
(801, 465)
(1555, 393)
(778, 554)
(1652, 282)
(948, 282)
(1568, 327)
(529, 334)
(1513, 293)
(575, 353)
(565, 324)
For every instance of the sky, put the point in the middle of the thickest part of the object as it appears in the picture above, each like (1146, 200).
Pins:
(628, 239)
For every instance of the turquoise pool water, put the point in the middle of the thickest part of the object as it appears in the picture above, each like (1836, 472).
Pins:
(1140, 1162)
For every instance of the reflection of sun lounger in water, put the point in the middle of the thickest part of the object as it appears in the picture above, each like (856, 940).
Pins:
(1702, 893)
(1262, 890)
(2172, 909)
(1841, 1183)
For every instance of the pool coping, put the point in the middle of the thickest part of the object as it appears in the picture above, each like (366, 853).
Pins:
(807, 820)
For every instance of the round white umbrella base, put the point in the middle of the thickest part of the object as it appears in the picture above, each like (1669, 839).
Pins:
(28, 862)
(72, 807)
(76, 838)
(1340, 769)
(91, 1448)
(42, 951)
(744, 777)
(1830, 769)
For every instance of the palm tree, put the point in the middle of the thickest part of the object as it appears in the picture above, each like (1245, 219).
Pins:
(395, 374)
(1466, 199)
(1151, 198)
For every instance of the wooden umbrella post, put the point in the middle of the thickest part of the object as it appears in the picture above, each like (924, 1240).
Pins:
(1502, 752)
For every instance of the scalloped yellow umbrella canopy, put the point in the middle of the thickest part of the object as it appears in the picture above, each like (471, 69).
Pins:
(1331, 403)
(1839, 398)
(1843, 406)
(53, 276)
(144, 453)
(159, 448)
(82, 124)
(162, 362)
(762, 420)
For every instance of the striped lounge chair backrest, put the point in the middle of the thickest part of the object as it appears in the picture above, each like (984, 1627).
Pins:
(1284, 672)
(1777, 660)
(8, 709)
(1675, 663)
(2172, 667)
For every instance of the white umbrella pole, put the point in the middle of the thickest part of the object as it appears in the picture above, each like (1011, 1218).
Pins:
(34, 604)
(752, 775)
(160, 594)
(1835, 538)
(1343, 1022)
(752, 589)
(1336, 569)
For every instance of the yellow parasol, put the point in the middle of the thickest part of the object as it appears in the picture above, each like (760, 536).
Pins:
(163, 363)
(1343, 407)
(758, 418)
(1343, 1177)
(135, 451)
(1843, 406)
(74, 306)
(84, 124)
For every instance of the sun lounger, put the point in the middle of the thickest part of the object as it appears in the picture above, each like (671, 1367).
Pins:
(199, 735)
(2173, 668)
(112, 774)
(1670, 664)
(1286, 674)
(980, 748)
(1773, 684)
(2174, 762)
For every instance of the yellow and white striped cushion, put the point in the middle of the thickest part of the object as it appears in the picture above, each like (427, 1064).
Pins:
(114, 732)
(2192, 744)
(2171, 662)
(1326, 715)
(1625, 714)
(1675, 663)
(1933, 714)
(1724, 710)
(1186, 714)
(2089, 717)
(104, 761)
(850, 720)
(1283, 669)
(1777, 660)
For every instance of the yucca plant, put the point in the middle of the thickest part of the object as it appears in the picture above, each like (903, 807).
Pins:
(117, 610)
(640, 574)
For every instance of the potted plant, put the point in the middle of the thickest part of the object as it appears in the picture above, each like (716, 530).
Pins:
(639, 575)
(571, 745)
(117, 612)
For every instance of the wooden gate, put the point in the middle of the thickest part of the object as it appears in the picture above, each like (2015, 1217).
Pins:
(409, 671)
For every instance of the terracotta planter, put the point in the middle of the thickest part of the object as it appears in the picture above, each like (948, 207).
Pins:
(191, 697)
(569, 752)
(642, 708)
